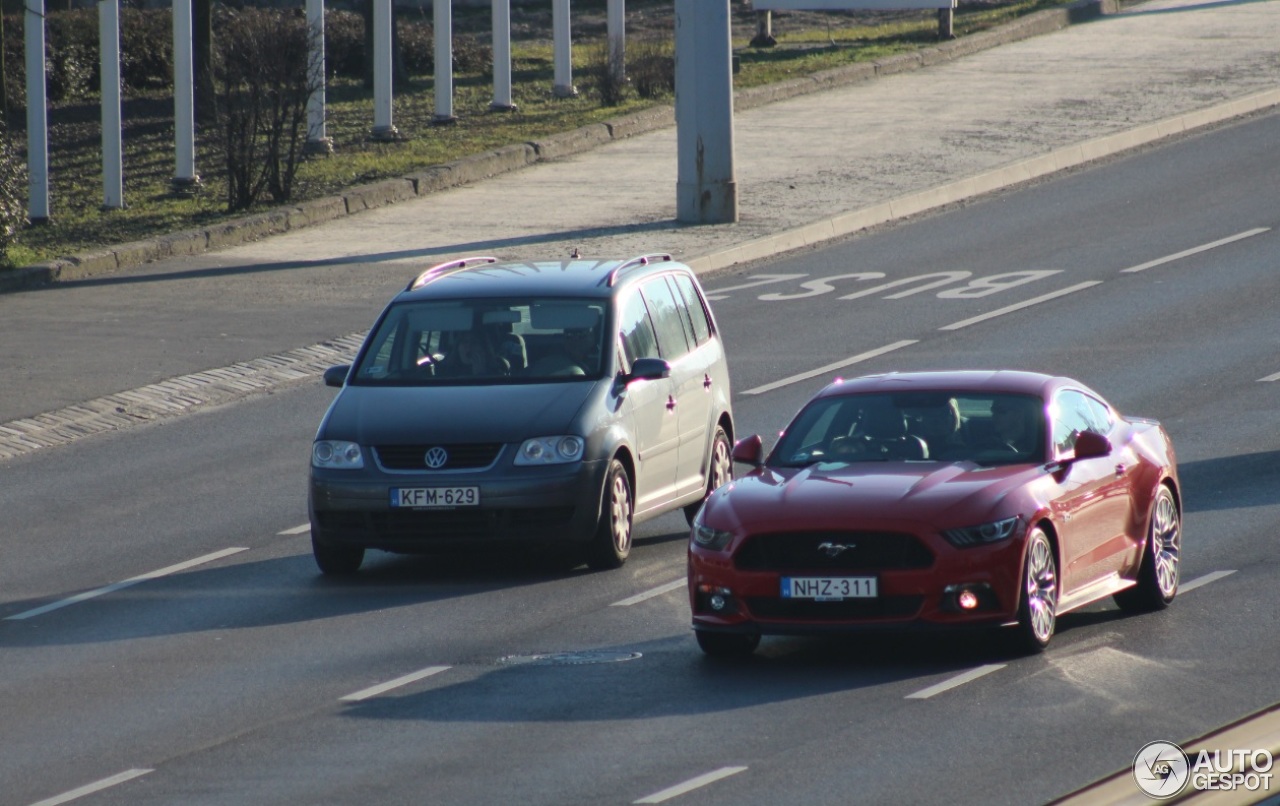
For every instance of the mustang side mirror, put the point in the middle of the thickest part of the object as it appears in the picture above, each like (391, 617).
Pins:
(749, 451)
(336, 376)
(1090, 445)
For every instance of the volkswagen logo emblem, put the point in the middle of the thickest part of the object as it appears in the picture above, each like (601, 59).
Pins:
(835, 549)
(436, 457)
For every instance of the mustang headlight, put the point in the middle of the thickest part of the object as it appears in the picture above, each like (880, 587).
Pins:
(982, 534)
(337, 454)
(550, 451)
(708, 537)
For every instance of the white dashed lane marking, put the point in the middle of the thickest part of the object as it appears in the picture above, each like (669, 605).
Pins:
(383, 688)
(691, 784)
(96, 786)
(958, 680)
(1194, 250)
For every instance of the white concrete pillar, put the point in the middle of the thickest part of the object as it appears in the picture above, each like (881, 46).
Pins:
(502, 99)
(109, 71)
(562, 36)
(383, 128)
(185, 178)
(442, 19)
(616, 30)
(706, 192)
(37, 118)
(317, 140)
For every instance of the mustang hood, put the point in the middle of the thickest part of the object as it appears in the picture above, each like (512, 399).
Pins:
(452, 414)
(843, 495)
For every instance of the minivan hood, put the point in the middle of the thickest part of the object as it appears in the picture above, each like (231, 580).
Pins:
(382, 415)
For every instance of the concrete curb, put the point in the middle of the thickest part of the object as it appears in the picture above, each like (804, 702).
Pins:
(478, 167)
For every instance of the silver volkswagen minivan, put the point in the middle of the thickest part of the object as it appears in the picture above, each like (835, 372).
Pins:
(510, 405)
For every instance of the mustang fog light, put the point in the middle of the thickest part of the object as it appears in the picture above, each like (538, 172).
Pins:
(716, 600)
(968, 598)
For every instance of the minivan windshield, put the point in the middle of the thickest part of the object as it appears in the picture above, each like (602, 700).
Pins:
(485, 341)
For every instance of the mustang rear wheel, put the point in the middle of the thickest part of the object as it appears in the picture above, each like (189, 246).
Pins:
(336, 560)
(719, 471)
(1037, 609)
(1161, 559)
(611, 544)
(727, 645)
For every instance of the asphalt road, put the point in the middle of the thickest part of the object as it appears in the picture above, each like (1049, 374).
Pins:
(239, 675)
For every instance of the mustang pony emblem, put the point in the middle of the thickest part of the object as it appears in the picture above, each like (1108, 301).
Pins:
(835, 549)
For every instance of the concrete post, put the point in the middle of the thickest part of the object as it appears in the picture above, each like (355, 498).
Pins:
(442, 20)
(37, 118)
(185, 179)
(946, 23)
(616, 29)
(383, 129)
(502, 100)
(317, 140)
(562, 35)
(109, 72)
(706, 192)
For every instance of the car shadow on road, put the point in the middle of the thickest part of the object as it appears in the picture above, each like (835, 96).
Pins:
(1231, 482)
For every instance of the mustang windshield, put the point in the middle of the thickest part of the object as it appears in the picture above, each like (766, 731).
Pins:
(491, 341)
(984, 428)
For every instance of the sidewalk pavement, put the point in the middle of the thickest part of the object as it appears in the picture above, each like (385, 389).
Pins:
(884, 142)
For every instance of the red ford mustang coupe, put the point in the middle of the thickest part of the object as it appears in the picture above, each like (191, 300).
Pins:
(947, 499)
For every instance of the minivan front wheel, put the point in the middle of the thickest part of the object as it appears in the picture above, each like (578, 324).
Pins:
(611, 544)
(719, 471)
(335, 560)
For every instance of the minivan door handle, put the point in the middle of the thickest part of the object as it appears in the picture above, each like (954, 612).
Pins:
(706, 381)
(671, 403)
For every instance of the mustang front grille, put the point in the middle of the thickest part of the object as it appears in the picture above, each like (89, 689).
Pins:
(833, 550)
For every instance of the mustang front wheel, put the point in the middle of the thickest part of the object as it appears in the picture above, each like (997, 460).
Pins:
(1038, 606)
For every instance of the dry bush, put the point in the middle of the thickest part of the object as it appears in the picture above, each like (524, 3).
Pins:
(651, 66)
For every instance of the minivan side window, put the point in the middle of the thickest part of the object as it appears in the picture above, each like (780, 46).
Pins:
(666, 318)
(636, 330)
(697, 311)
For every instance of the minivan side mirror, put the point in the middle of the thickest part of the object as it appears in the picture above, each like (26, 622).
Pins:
(648, 369)
(1090, 445)
(336, 376)
(749, 451)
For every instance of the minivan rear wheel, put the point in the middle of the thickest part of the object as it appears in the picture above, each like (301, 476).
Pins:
(611, 544)
(719, 471)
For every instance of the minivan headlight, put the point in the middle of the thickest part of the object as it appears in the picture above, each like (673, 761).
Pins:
(336, 454)
(550, 450)
(984, 533)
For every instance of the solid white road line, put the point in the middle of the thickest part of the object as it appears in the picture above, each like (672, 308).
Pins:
(1019, 306)
(1194, 250)
(1187, 587)
(649, 594)
(804, 376)
(89, 789)
(958, 680)
(173, 569)
(374, 691)
(297, 530)
(1270, 378)
(691, 784)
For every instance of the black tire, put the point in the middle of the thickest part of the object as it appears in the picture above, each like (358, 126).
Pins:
(1038, 599)
(719, 471)
(1158, 574)
(336, 560)
(611, 544)
(727, 645)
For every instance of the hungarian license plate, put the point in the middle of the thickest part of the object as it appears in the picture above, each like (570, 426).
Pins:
(437, 497)
(829, 589)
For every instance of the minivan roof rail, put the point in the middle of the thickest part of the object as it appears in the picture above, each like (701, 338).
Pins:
(639, 260)
(442, 269)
